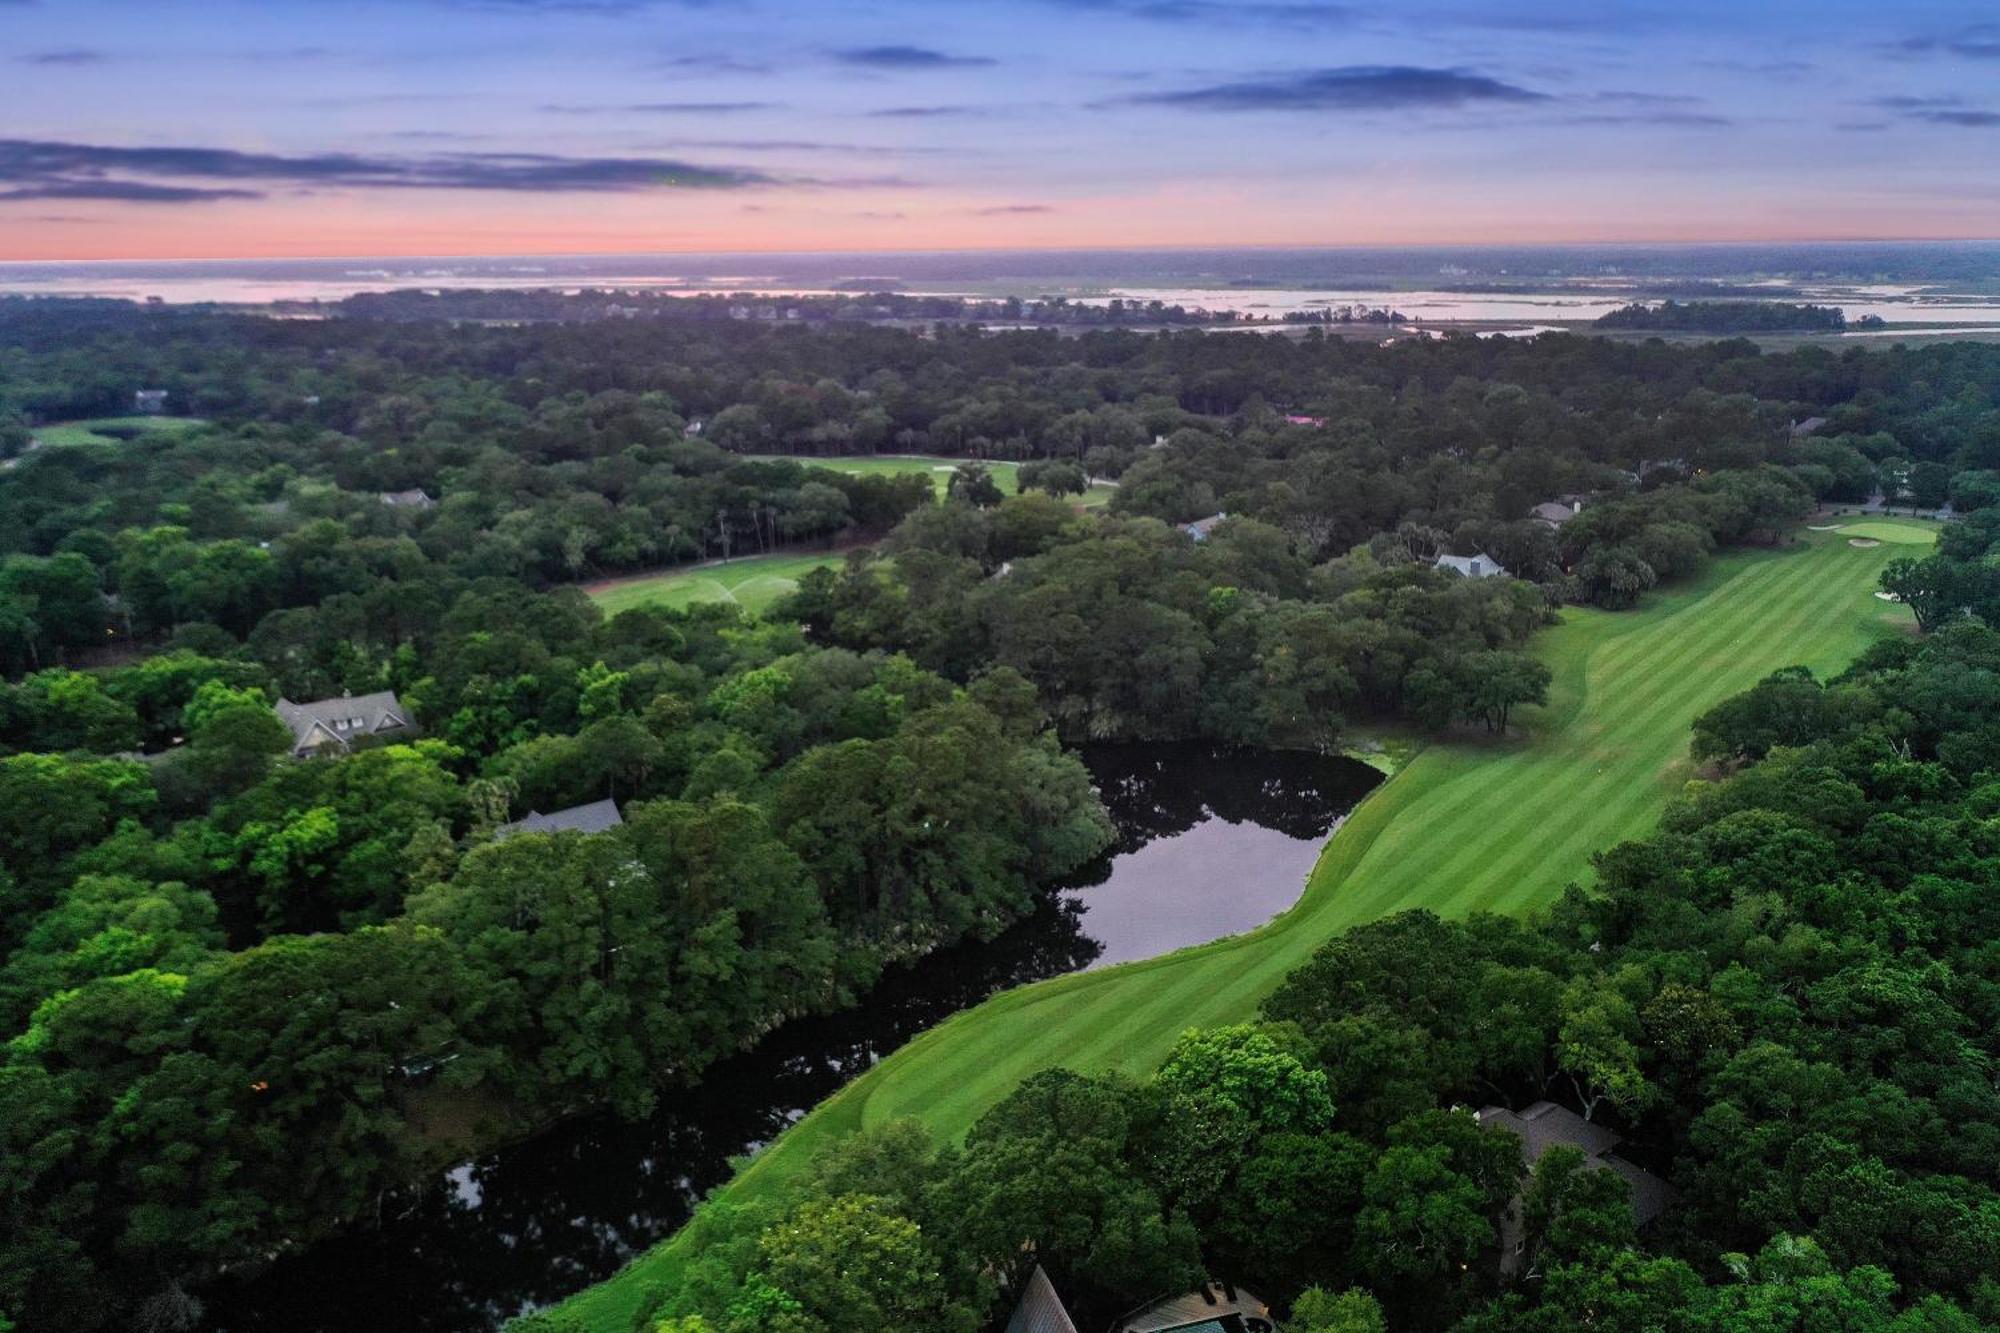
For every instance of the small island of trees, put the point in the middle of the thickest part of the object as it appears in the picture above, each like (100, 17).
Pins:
(1726, 317)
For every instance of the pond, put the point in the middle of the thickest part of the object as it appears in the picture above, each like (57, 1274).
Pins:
(1211, 841)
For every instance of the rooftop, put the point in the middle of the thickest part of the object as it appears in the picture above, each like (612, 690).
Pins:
(1545, 1125)
(1477, 566)
(1214, 1308)
(1040, 1310)
(596, 817)
(339, 721)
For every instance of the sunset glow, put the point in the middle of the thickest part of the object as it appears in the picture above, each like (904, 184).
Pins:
(296, 127)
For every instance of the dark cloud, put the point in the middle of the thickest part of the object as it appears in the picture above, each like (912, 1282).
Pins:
(659, 108)
(1699, 120)
(39, 169)
(1968, 119)
(1775, 69)
(604, 8)
(130, 192)
(1937, 109)
(1011, 210)
(1978, 42)
(74, 55)
(1302, 14)
(714, 64)
(927, 112)
(1646, 99)
(801, 146)
(906, 57)
(1909, 102)
(1348, 88)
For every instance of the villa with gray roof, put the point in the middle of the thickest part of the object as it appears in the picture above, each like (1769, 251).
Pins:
(417, 499)
(332, 726)
(1477, 566)
(596, 817)
(1201, 527)
(1546, 1125)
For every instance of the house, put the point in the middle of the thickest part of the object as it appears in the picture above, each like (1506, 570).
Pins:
(1544, 1126)
(149, 402)
(1040, 1310)
(596, 817)
(1806, 427)
(416, 499)
(1555, 513)
(1315, 422)
(1201, 527)
(1216, 1308)
(1477, 566)
(331, 726)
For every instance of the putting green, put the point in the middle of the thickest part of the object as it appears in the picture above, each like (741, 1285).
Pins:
(1498, 826)
(753, 583)
(1901, 532)
(64, 433)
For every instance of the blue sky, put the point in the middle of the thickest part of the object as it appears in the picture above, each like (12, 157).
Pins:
(225, 127)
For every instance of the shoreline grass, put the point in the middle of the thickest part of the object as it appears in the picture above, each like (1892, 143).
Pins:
(1499, 826)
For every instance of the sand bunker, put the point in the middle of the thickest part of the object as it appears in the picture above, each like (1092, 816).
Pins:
(1862, 541)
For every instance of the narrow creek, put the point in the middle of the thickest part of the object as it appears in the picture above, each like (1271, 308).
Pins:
(1211, 841)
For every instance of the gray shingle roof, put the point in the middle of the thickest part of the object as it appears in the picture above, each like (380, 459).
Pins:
(1545, 1125)
(1040, 1310)
(596, 817)
(341, 721)
(1480, 566)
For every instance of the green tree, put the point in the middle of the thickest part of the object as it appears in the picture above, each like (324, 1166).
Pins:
(1352, 1311)
(974, 484)
(854, 1265)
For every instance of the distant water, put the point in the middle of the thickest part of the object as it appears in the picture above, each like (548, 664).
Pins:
(1931, 282)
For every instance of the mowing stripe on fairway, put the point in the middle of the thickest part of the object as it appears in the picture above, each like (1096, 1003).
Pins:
(1500, 825)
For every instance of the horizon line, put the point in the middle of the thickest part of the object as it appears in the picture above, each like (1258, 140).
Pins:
(1709, 243)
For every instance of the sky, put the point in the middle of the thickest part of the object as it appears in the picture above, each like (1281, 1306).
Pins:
(159, 129)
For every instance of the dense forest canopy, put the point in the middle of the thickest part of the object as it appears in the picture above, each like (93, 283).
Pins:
(246, 991)
(1785, 999)
(1727, 317)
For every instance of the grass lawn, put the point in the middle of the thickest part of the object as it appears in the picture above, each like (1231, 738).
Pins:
(753, 582)
(1005, 475)
(1902, 532)
(1500, 826)
(1497, 826)
(91, 431)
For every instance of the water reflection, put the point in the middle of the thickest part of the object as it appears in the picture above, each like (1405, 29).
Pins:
(527, 1225)
(1213, 841)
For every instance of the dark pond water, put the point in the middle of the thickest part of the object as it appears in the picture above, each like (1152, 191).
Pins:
(1210, 842)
